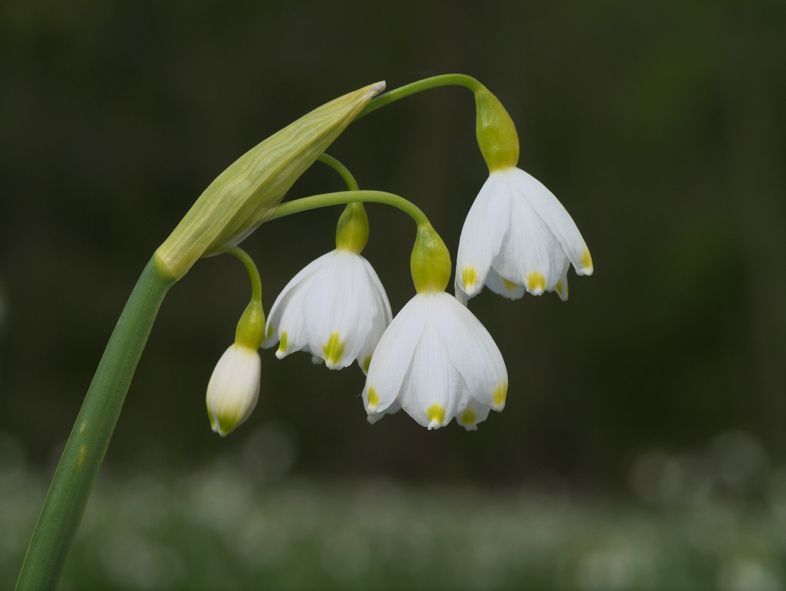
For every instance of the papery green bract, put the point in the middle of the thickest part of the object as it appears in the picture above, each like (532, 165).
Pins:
(239, 199)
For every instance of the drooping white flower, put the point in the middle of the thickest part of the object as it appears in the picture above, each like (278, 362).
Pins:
(335, 308)
(436, 361)
(518, 238)
(233, 389)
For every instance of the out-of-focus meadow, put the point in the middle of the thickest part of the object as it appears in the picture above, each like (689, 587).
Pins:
(643, 446)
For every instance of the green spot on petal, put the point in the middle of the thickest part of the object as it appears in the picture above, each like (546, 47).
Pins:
(333, 350)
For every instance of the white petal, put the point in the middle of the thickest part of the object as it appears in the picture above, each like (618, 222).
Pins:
(339, 310)
(381, 319)
(291, 327)
(482, 234)
(366, 353)
(374, 418)
(562, 285)
(474, 354)
(471, 413)
(504, 287)
(530, 253)
(461, 297)
(430, 393)
(383, 297)
(558, 220)
(283, 299)
(233, 389)
(393, 355)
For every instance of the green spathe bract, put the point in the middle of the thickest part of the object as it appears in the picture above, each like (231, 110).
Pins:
(238, 200)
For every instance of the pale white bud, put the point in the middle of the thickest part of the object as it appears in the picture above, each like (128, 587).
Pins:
(233, 389)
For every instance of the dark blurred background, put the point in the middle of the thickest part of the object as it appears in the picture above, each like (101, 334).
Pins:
(657, 391)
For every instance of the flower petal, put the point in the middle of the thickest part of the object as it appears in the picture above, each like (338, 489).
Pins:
(558, 220)
(482, 234)
(374, 418)
(380, 320)
(471, 413)
(530, 253)
(474, 354)
(393, 355)
(291, 330)
(233, 389)
(562, 285)
(430, 391)
(504, 287)
(283, 299)
(339, 310)
(366, 352)
(383, 296)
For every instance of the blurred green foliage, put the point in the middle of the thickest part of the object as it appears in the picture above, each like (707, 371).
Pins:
(660, 126)
(241, 522)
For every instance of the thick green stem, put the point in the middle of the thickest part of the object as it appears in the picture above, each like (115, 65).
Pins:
(415, 87)
(344, 197)
(70, 489)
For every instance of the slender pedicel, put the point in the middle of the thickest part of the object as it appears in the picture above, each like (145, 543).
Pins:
(343, 197)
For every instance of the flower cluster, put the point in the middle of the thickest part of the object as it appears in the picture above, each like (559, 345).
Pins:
(434, 359)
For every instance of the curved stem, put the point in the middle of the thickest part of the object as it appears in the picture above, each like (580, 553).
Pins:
(342, 170)
(344, 197)
(84, 451)
(251, 269)
(397, 94)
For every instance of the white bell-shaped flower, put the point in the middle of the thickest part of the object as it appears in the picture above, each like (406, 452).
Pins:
(436, 361)
(335, 308)
(518, 238)
(233, 389)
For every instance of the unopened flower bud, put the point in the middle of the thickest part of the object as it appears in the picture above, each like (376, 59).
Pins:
(233, 390)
